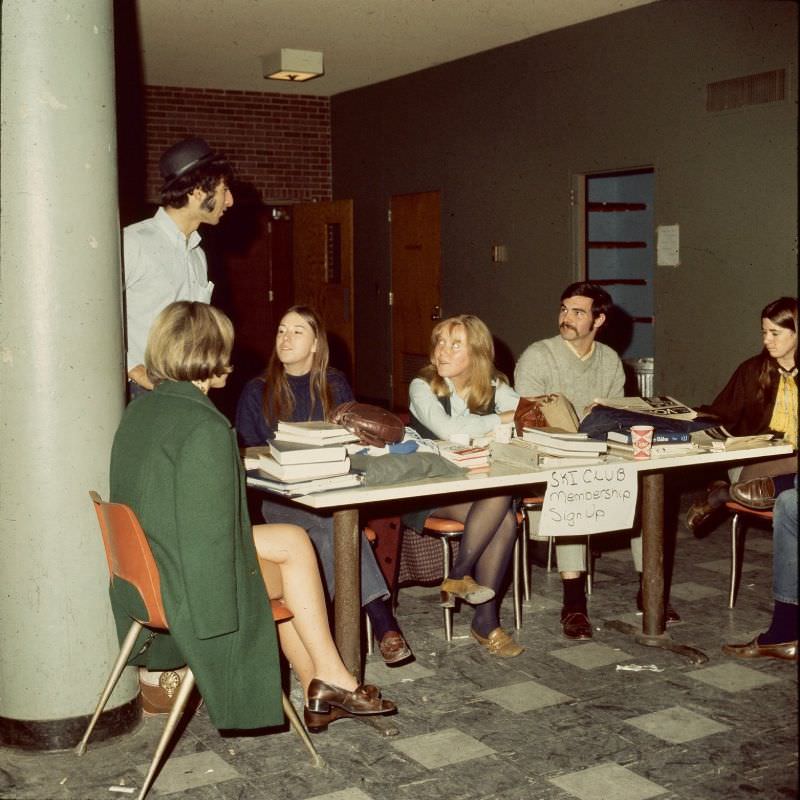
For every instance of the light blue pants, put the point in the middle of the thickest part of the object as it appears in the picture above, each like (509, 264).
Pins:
(320, 531)
(784, 547)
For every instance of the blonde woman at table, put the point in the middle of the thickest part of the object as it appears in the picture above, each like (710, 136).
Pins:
(760, 397)
(176, 463)
(299, 385)
(461, 392)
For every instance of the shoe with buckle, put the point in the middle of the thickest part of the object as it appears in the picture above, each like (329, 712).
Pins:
(670, 614)
(575, 624)
(394, 648)
(785, 651)
(498, 643)
(365, 699)
(758, 493)
(466, 589)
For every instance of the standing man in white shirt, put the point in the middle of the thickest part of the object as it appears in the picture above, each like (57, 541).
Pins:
(163, 260)
(575, 365)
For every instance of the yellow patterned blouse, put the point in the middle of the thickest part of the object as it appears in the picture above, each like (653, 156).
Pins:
(784, 415)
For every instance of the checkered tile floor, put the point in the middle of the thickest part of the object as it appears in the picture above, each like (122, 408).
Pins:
(606, 719)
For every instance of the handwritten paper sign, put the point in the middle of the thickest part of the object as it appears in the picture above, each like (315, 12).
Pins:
(590, 499)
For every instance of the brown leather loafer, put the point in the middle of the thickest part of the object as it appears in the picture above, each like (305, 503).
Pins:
(394, 648)
(576, 625)
(785, 651)
(758, 493)
(363, 700)
(465, 589)
(499, 643)
(317, 723)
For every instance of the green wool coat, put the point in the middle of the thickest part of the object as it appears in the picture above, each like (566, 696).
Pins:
(175, 462)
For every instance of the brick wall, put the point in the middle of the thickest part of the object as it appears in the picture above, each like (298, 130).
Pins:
(278, 143)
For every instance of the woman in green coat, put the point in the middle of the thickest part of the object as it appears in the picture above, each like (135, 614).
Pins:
(175, 462)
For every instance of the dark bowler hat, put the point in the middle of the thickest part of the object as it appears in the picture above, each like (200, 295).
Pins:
(183, 157)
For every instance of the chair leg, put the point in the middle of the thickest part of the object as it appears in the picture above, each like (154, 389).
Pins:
(515, 581)
(526, 564)
(550, 544)
(299, 729)
(735, 566)
(368, 632)
(447, 611)
(175, 714)
(113, 678)
(589, 565)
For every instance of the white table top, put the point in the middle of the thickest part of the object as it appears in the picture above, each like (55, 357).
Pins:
(505, 476)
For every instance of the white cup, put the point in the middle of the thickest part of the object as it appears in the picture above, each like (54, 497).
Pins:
(642, 440)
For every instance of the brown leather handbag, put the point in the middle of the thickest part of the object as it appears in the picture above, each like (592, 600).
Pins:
(372, 424)
(545, 411)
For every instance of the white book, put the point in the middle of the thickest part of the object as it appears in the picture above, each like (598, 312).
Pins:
(298, 453)
(558, 443)
(312, 428)
(292, 473)
(305, 487)
(301, 438)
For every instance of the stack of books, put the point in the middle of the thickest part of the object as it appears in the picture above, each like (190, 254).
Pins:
(474, 459)
(556, 447)
(304, 457)
(314, 433)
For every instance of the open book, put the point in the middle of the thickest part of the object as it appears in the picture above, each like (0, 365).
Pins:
(718, 438)
(662, 406)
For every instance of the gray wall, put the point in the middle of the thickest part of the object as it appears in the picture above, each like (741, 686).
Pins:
(503, 134)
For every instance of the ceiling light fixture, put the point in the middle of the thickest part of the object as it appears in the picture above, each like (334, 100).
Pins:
(292, 65)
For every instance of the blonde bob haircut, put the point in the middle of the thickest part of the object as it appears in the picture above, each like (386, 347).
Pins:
(189, 342)
(480, 392)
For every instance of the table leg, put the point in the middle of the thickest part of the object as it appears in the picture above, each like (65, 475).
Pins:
(347, 602)
(653, 631)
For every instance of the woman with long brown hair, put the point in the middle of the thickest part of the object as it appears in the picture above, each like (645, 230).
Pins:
(298, 384)
(760, 397)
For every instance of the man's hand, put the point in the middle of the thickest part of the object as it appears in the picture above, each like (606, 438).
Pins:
(138, 375)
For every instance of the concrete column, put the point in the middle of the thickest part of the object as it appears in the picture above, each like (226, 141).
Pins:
(61, 367)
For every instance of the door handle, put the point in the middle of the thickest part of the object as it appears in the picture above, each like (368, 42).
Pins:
(436, 313)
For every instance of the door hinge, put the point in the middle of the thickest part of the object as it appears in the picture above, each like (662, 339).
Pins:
(391, 299)
(271, 296)
(389, 215)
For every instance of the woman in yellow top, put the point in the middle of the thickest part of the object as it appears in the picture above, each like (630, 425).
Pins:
(760, 397)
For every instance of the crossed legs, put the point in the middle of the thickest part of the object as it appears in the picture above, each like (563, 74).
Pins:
(490, 529)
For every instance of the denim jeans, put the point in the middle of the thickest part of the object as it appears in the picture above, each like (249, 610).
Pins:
(784, 547)
(320, 531)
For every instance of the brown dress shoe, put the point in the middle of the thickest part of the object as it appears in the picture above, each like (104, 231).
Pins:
(576, 625)
(758, 493)
(670, 614)
(499, 643)
(394, 648)
(785, 651)
(365, 699)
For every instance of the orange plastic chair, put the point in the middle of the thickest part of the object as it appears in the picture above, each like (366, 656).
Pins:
(130, 558)
(737, 542)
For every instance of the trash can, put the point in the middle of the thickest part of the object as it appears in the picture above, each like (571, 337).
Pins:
(644, 369)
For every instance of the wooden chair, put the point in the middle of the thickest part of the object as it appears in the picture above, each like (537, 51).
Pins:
(130, 558)
(740, 514)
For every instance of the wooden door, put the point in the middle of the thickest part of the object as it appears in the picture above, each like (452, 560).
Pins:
(250, 262)
(416, 286)
(323, 272)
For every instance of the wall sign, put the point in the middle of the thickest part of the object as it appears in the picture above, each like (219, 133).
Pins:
(591, 499)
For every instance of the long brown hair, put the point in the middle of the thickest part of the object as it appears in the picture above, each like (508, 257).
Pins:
(482, 372)
(781, 312)
(278, 399)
